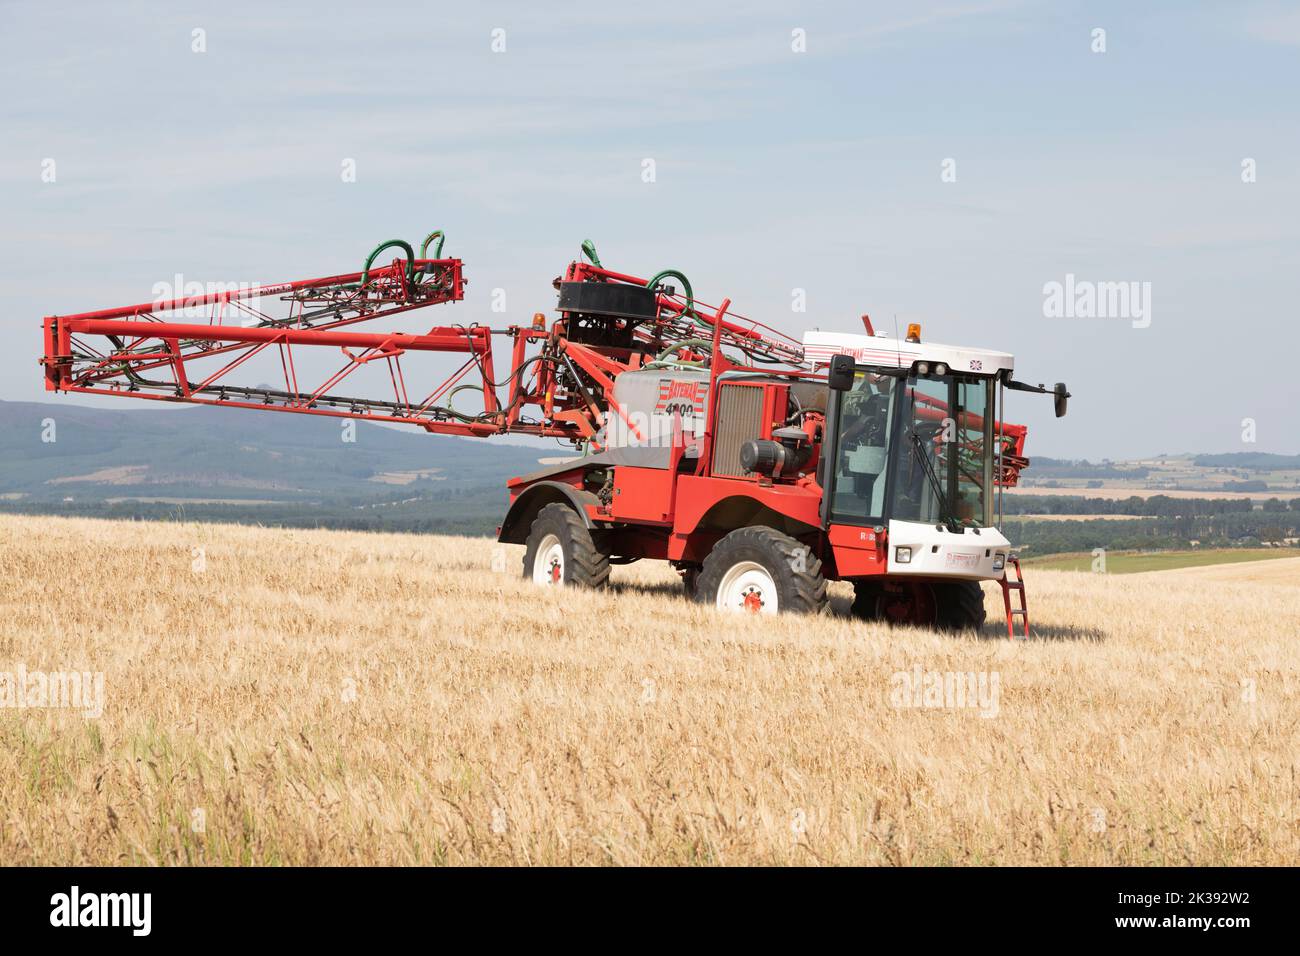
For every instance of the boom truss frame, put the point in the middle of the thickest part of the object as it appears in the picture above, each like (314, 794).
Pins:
(133, 351)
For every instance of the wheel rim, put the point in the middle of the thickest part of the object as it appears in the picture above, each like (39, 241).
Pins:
(747, 586)
(548, 565)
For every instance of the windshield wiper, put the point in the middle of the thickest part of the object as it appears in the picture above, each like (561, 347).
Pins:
(945, 512)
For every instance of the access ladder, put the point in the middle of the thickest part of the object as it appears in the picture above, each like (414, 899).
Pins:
(1018, 585)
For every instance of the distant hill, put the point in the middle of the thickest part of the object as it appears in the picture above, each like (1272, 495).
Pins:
(1043, 467)
(1250, 461)
(237, 464)
(229, 464)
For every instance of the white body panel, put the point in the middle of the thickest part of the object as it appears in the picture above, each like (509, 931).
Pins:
(967, 556)
(882, 350)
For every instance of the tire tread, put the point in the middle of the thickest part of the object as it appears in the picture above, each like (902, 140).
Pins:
(801, 591)
(587, 566)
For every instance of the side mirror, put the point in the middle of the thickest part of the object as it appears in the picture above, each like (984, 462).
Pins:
(841, 374)
(1061, 398)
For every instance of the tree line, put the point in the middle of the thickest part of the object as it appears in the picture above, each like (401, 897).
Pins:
(1155, 506)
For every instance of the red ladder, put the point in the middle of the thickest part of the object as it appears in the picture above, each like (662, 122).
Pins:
(1017, 585)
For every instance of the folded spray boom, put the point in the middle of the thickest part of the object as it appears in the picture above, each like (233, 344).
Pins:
(559, 381)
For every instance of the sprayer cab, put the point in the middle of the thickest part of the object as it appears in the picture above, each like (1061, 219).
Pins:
(917, 451)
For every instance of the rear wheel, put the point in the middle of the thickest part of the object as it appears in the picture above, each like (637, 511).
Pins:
(961, 605)
(866, 600)
(560, 551)
(944, 605)
(762, 571)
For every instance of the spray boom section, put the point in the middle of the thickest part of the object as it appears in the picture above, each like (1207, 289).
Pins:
(297, 342)
(558, 381)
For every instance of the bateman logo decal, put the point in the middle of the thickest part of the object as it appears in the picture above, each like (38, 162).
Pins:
(976, 365)
(684, 397)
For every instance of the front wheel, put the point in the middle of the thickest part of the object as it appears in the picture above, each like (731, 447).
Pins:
(762, 571)
(560, 551)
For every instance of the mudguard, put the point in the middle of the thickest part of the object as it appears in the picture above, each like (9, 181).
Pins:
(514, 528)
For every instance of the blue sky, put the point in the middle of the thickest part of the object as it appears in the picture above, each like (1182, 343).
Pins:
(775, 171)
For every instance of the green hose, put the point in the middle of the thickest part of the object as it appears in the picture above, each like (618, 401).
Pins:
(424, 246)
(662, 361)
(683, 344)
(424, 250)
(686, 286)
(410, 260)
(658, 364)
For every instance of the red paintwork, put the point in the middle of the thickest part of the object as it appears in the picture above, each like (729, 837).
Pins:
(857, 551)
(642, 495)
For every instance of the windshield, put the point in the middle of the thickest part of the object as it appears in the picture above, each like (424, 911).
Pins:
(865, 423)
(943, 464)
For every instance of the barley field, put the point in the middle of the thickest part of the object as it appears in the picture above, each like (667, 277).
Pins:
(315, 697)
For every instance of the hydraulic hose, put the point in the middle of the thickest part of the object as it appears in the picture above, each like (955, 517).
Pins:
(410, 260)
(663, 361)
(424, 246)
(424, 250)
(684, 344)
(674, 274)
(463, 415)
(686, 285)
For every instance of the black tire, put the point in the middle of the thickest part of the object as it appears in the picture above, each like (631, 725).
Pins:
(690, 579)
(866, 600)
(583, 564)
(960, 605)
(793, 568)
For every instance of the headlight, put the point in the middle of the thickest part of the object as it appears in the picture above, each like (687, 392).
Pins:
(903, 555)
(999, 561)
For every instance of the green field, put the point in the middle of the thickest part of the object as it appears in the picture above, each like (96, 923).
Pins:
(1131, 562)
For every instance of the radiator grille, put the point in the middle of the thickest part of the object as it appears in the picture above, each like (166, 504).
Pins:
(740, 412)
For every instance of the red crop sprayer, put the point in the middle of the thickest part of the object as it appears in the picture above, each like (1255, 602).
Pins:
(758, 465)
